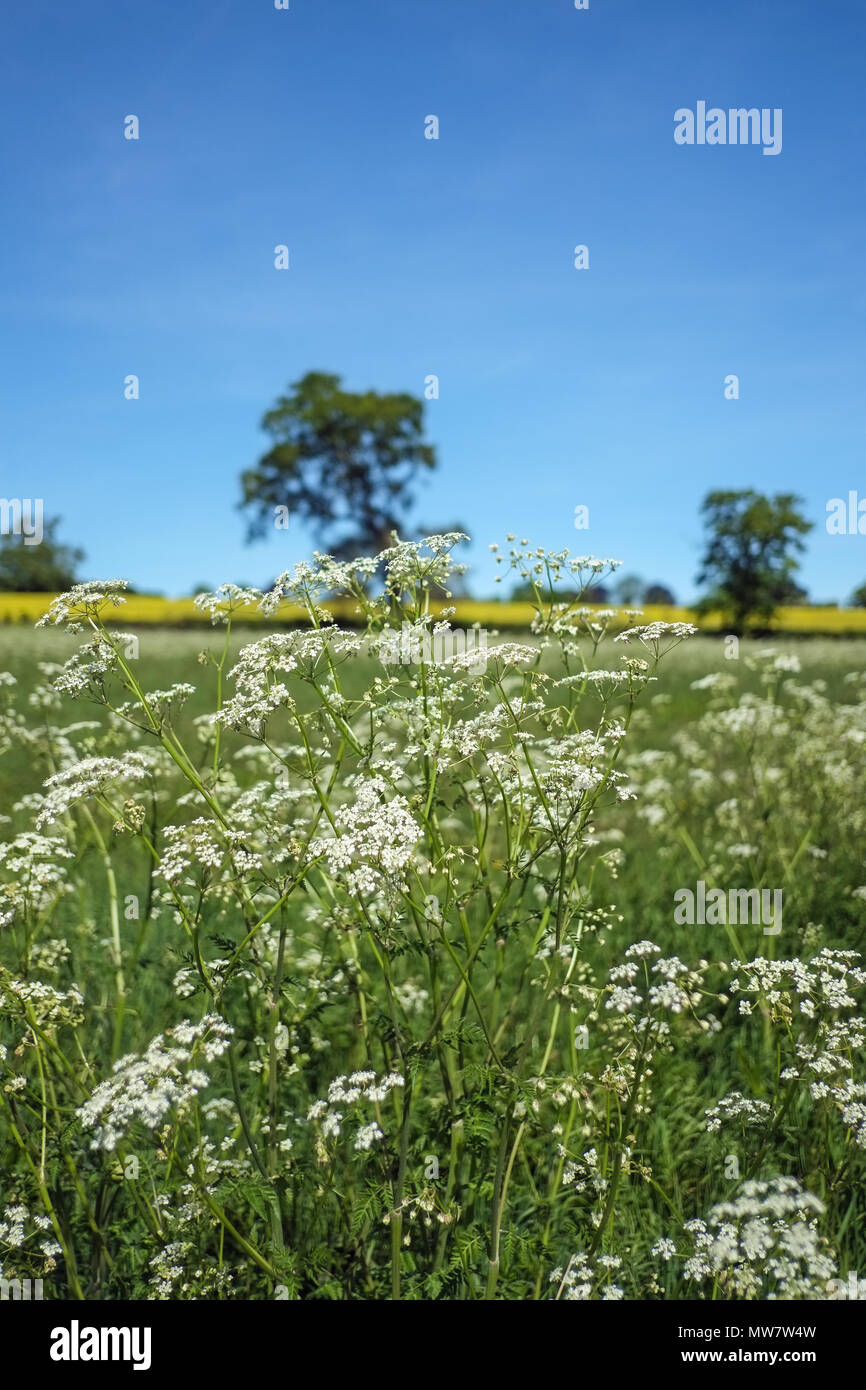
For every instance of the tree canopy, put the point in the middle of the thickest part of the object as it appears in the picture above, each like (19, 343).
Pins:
(340, 461)
(751, 552)
(48, 567)
(658, 593)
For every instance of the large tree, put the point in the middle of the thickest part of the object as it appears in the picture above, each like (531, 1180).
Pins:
(751, 553)
(340, 461)
(48, 567)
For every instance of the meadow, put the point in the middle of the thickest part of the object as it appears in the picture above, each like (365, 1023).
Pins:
(325, 975)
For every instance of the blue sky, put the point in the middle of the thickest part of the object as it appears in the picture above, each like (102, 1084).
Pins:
(558, 387)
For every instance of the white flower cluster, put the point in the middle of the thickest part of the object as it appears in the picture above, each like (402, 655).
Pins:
(50, 1007)
(764, 1244)
(160, 702)
(345, 1092)
(427, 562)
(147, 1087)
(168, 1268)
(306, 583)
(716, 680)
(545, 568)
(259, 691)
(652, 633)
(206, 845)
(772, 661)
(584, 1279)
(82, 602)
(826, 1047)
(583, 1173)
(824, 983)
(175, 1273)
(505, 654)
(18, 1228)
(37, 874)
(376, 838)
(226, 600)
(85, 672)
(598, 677)
(465, 737)
(86, 778)
(260, 668)
(678, 990)
(737, 1107)
(568, 772)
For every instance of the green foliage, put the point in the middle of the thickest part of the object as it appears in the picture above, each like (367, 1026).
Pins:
(750, 556)
(46, 568)
(342, 461)
(658, 593)
(404, 985)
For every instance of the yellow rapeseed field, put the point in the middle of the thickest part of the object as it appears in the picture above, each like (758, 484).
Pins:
(153, 610)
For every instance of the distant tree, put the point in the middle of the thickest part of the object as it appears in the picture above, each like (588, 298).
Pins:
(658, 593)
(750, 555)
(627, 589)
(595, 593)
(46, 568)
(340, 461)
(858, 598)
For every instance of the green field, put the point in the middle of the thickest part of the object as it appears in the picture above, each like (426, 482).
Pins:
(516, 1064)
